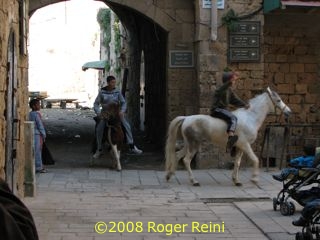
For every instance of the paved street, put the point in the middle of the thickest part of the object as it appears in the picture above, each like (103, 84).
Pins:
(140, 205)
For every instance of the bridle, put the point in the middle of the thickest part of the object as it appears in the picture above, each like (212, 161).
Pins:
(276, 106)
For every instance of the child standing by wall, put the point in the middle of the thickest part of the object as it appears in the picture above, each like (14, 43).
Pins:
(39, 133)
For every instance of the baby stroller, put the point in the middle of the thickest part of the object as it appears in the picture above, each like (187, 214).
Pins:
(291, 186)
(294, 182)
(311, 230)
(310, 225)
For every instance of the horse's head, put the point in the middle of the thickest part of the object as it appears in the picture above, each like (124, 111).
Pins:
(278, 103)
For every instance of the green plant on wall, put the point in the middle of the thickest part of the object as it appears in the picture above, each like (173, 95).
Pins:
(107, 67)
(231, 18)
(117, 44)
(117, 36)
(104, 19)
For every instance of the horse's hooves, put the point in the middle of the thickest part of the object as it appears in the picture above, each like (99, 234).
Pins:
(255, 181)
(196, 184)
(238, 184)
(119, 170)
(168, 176)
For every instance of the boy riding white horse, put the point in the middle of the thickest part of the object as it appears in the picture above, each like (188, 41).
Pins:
(223, 97)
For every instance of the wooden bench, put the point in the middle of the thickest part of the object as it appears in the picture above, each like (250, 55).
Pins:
(62, 102)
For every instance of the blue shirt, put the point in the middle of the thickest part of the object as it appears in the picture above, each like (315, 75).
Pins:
(303, 161)
(38, 125)
(106, 97)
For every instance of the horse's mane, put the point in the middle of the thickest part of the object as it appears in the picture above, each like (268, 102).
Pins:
(256, 99)
(255, 104)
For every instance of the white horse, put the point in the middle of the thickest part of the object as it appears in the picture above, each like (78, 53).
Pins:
(192, 130)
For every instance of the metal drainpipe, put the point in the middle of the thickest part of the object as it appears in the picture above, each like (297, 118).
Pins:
(214, 20)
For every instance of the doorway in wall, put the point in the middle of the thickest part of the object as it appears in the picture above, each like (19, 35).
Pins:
(11, 115)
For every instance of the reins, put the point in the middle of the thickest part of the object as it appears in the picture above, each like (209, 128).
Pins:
(275, 108)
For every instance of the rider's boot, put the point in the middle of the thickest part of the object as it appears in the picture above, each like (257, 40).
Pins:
(134, 150)
(97, 154)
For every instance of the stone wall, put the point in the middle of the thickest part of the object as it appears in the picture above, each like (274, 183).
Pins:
(292, 66)
(292, 62)
(9, 23)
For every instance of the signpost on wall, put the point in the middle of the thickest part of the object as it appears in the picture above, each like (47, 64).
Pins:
(244, 42)
(207, 4)
(180, 59)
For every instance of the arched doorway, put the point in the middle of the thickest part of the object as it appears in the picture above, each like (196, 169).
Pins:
(147, 37)
(153, 32)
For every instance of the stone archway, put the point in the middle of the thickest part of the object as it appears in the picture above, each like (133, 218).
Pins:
(144, 35)
(155, 28)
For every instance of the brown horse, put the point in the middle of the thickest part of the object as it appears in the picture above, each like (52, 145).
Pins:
(113, 134)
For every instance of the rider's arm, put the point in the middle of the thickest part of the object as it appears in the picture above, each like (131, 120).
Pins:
(236, 101)
(224, 87)
(123, 103)
(96, 104)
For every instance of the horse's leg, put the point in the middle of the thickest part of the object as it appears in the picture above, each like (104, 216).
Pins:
(118, 159)
(255, 161)
(179, 154)
(191, 151)
(235, 173)
(116, 153)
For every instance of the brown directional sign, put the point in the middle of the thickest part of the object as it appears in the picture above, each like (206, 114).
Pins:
(246, 28)
(244, 42)
(244, 54)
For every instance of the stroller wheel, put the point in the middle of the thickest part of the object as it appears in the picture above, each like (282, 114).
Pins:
(285, 208)
(292, 208)
(275, 204)
(299, 236)
(304, 236)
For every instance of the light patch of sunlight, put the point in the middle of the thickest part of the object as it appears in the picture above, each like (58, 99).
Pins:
(62, 37)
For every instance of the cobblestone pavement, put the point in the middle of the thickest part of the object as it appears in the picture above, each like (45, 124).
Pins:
(141, 205)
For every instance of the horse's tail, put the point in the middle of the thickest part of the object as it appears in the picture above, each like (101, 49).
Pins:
(170, 150)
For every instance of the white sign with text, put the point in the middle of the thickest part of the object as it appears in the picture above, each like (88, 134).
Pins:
(207, 4)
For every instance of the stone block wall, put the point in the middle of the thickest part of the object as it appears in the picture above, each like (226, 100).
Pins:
(292, 66)
(292, 62)
(9, 23)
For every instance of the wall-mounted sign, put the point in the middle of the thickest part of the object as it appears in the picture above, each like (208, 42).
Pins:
(244, 54)
(180, 59)
(207, 4)
(244, 42)
(246, 28)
